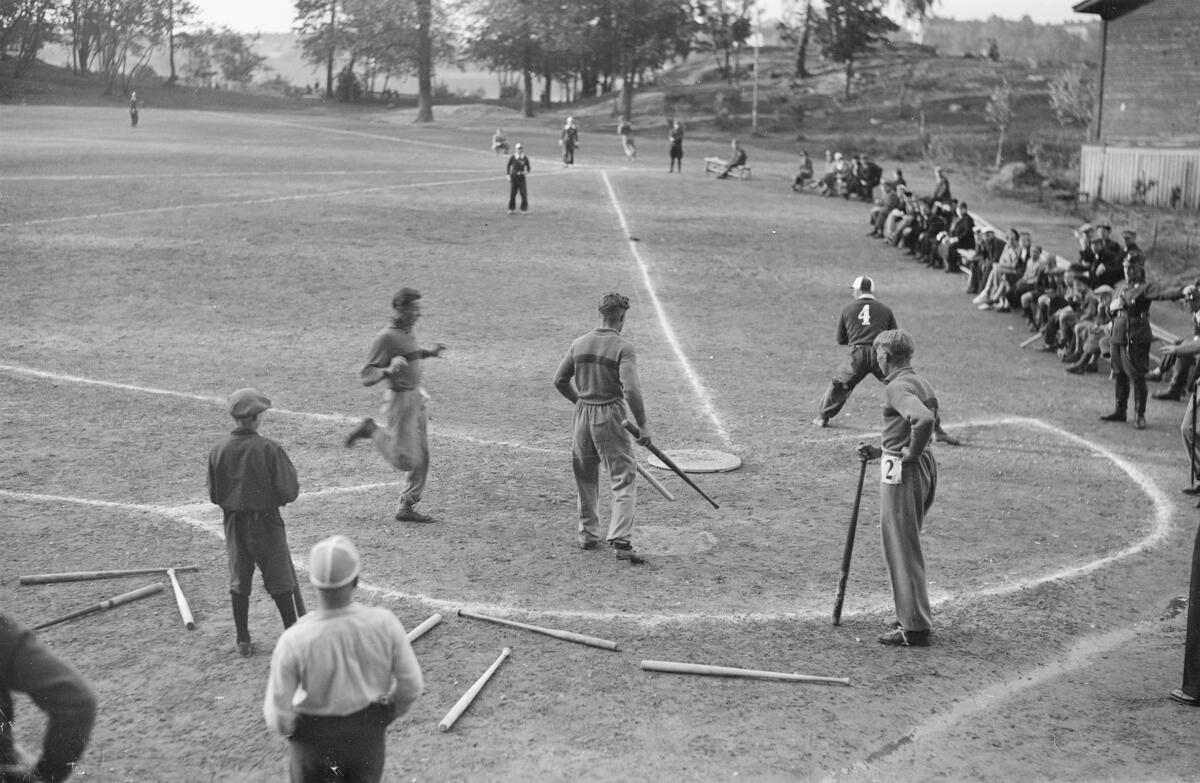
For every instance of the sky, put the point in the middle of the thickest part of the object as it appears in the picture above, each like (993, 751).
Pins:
(275, 16)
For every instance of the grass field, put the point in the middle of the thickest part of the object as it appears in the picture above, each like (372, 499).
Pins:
(149, 272)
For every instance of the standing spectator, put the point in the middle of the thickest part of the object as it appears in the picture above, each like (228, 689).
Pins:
(599, 376)
(250, 477)
(737, 159)
(675, 137)
(395, 357)
(1132, 335)
(941, 190)
(340, 676)
(499, 142)
(804, 172)
(70, 706)
(908, 483)
(518, 166)
(859, 324)
(625, 131)
(133, 108)
(569, 141)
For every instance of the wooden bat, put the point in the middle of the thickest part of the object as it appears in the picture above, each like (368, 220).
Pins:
(420, 630)
(655, 483)
(185, 611)
(1033, 339)
(670, 463)
(468, 697)
(566, 636)
(83, 576)
(123, 598)
(674, 667)
(848, 550)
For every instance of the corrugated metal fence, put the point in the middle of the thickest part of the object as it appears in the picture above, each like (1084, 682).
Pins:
(1141, 175)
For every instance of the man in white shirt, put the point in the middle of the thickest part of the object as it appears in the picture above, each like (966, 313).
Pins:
(339, 676)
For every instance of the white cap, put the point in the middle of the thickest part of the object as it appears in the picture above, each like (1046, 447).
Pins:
(864, 284)
(334, 563)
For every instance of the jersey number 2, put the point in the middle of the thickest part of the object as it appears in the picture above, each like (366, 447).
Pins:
(864, 315)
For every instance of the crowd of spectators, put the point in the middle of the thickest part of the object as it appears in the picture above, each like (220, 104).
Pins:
(1069, 305)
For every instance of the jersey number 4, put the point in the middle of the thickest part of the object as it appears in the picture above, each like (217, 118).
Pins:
(864, 315)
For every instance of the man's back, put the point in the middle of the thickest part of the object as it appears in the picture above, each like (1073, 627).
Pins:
(862, 320)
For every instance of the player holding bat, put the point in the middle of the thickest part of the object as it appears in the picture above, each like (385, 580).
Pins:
(599, 375)
(908, 480)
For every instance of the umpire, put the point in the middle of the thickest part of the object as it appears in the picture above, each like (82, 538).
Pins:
(250, 477)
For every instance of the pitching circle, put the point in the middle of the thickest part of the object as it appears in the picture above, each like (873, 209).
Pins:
(699, 461)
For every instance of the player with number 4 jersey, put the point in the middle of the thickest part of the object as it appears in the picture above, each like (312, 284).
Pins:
(861, 322)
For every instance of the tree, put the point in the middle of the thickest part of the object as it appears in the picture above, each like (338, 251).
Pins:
(26, 25)
(1000, 114)
(424, 61)
(320, 35)
(1073, 95)
(850, 28)
(235, 56)
(500, 34)
(178, 14)
(724, 27)
(797, 29)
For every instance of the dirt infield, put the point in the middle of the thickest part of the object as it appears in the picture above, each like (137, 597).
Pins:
(151, 271)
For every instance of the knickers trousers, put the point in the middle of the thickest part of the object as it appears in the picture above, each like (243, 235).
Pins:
(902, 509)
(258, 538)
(855, 366)
(404, 442)
(599, 439)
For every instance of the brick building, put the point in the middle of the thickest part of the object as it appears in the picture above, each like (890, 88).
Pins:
(1145, 137)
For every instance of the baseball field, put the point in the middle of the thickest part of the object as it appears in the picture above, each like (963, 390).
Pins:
(149, 272)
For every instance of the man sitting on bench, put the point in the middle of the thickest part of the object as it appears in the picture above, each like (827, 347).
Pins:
(736, 162)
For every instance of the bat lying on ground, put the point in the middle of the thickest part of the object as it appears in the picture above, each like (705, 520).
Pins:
(421, 629)
(84, 576)
(185, 611)
(670, 463)
(123, 598)
(726, 671)
(566, 636)
(461, 706)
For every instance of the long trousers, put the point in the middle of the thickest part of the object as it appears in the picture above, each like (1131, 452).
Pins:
(340, 749)
(1130, 363)
(902, 509)
(404, 442)
(599, 439)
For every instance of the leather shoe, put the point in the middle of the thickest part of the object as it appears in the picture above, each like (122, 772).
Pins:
(363, 430)
(626, 553)
(902, 638)
(1139, 422)
(588, 546)
(409, 514)
(245, 648)
(1191, 490)
(1183, 698)
(821, 421)
(1167, 395)
(1114, 416)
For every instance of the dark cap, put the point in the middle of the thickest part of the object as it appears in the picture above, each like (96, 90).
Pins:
(1129, 234)
(244, 403)
(405, 297)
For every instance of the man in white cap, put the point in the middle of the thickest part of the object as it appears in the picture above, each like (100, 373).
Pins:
(569, 141)
(340, 676)
(250, 477)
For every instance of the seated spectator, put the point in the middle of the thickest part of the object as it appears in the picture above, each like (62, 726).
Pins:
(1007, 272)
(900, 218)
(959, 236)
(987, 253)
(1047, 294)
(1059, 333)
(834, 183)
(499, 142)
(804, 173)
(926, 232)
(1178, 364)
(1092, 334)
(898, 178)
(737, 159)
(1104, 266)
(870, 176)
(888, 201)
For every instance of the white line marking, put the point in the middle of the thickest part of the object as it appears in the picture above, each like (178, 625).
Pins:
(697, 385)
(206, 516)
(335, 418)
(228, 174)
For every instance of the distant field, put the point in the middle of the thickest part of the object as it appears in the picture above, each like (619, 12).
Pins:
(149, 272)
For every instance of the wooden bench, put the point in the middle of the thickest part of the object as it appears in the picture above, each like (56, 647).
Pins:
(717, 166)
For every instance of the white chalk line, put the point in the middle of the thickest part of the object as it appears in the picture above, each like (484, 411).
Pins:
(408, 172)
(202, 516)
(693, 378)
(334, 418)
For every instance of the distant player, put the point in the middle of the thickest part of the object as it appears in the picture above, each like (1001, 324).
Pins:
(518, 167)
(133, 109)
(675, 137)
(569, 141)
(625, 131)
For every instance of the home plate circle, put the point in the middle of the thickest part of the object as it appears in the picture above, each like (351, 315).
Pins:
(699, 461)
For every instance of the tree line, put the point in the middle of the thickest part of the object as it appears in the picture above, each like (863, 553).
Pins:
(587, 47)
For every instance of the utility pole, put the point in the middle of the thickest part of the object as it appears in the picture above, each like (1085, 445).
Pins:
(757, 42)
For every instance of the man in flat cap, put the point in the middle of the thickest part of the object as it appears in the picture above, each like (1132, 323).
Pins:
(599, 376)
(340, 676)
(395, 358)
(250, 477)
